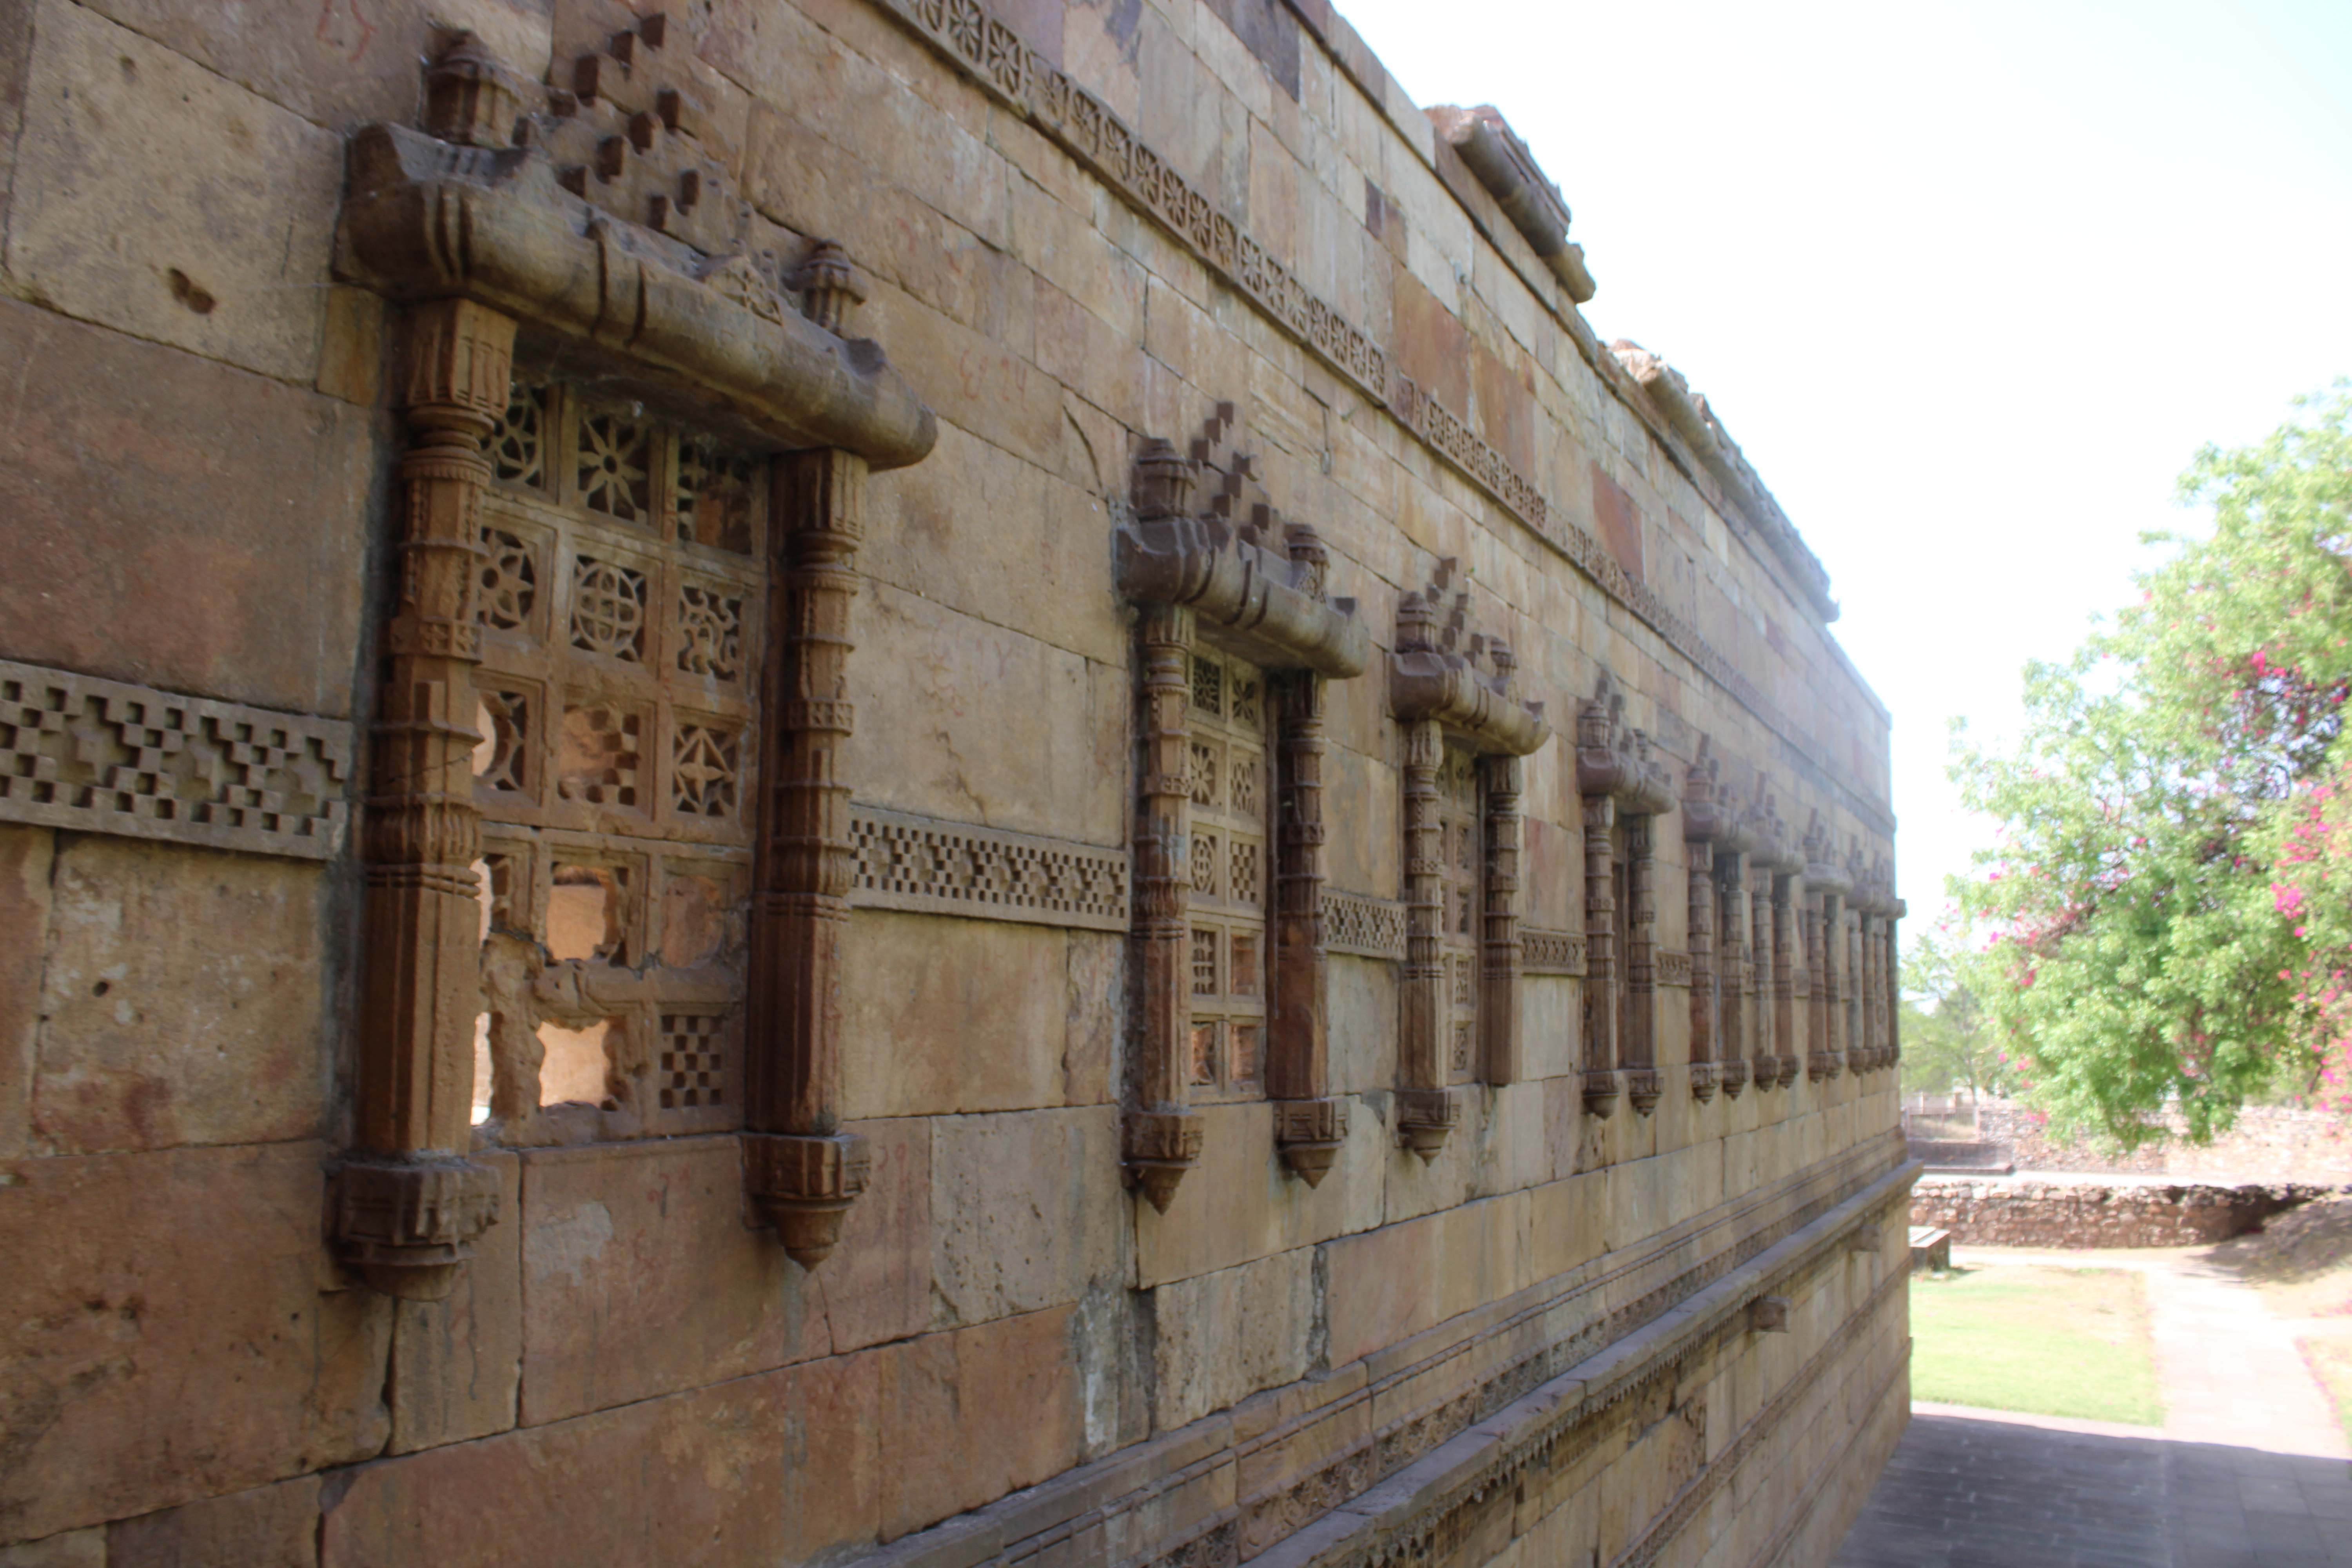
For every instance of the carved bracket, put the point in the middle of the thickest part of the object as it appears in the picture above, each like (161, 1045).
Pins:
(408, 1228)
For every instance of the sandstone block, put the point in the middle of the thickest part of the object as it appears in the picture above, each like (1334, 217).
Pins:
(153, 1034)
(73, 1549)
(226, 561)
(1028, 1211)
(156, 197)
(1220, 1337)
(990, 390)
(972, 1414)
(178, 1332)
(456, 1364)
(953, 1016)
(269, 1527)
(1361, 994)
(1391, 1283)
(648, 1245)
(27, 855)
(1241, 1204)
(351, 360)
(877, 1286)
(992, 536)
(934, 687)
(743, 1472)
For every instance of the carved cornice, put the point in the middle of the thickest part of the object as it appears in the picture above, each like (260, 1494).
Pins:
(1433, 674)
(1253, 583)
(1614, 761)
(993, 55)
(638, 248)
(105, 756)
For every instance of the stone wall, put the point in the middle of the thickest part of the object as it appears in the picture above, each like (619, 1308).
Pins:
(2019, 1212)
(2265, 1144)
(253, 269)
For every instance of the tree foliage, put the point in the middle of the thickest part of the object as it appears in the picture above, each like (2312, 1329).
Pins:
(1947, 1044)
(2172, 888)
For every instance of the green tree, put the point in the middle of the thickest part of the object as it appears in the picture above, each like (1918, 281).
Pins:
(1945, 1043)
(2171, 887)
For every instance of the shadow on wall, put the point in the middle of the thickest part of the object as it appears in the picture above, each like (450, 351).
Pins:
(1963, 1491)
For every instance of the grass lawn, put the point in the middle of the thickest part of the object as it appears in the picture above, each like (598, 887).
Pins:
(2048, 1341)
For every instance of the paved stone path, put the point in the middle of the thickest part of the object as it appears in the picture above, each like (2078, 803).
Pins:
(2250, 1468)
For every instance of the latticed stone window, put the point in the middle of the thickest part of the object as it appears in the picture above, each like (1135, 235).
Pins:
(1462, 924)
(1232, 872)
(621, 581)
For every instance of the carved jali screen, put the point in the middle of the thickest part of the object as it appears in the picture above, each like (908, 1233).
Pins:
(1232, 872)
(621, 589)
(1459, 933)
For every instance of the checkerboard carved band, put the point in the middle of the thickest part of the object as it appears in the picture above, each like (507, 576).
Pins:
(104, 756)
(929, 867)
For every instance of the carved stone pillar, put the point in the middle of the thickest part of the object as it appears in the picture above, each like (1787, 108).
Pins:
(1861, 1054)
(1826, 885)
(1309, 1123)
(1642, 1087)
(1437, 691)
(1498, 1003)
(1427, 1111)
(408, 1212)
(1786, 1061)
(1896, 910)
(802, 1170)
(1712, 837)
(1162, 1136)
(1601, 1086)
(1734, 1017)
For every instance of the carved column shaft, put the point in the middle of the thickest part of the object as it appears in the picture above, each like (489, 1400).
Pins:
(408, 1224)
(802, 1169)
(1309, 1124)
(1423, 1047)
(1865, 962)
(1498, 1003)
(1784, 979)
(1600, 1051)
(1637, 1033)
(1732, 1013)
(1893, 980)
(1703, 999)
(1162, 1139)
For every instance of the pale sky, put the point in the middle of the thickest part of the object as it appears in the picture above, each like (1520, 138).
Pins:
(1969, 282)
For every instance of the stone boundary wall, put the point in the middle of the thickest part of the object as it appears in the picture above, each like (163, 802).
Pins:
(1991, 1212)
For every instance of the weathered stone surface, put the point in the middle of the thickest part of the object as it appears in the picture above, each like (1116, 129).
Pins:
(649, 1245)
(152, 1034)
(1220, 1338)
(1391, 1283)
(226, 561)
(456, 1364)
(269, 1527)
(72, 1549)
(218, 204)
(178, 1332)
(1241, 1203)
(25, 859)
(1027, 1212)
(744, 1470)
(971, 1413)
(954, 1016)
(877, 1286)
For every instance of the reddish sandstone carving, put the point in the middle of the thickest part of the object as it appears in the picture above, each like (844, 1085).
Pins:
(1826, 885)
(1464, 732)
(1623, 790)
(1236, 638)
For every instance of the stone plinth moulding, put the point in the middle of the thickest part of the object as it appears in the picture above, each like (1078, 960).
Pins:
(1210, 565)
(1777, 862)
(557, 219)
(1462, 858)
(1826, 886)
(1623, 788)
(1716, 839)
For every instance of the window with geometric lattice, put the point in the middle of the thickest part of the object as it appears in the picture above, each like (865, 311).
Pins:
(1232, 873)
(1461, 929)
(622, 586)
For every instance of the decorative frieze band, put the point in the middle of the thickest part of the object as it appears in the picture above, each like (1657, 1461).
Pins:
(927, 866)
(102, 756)
(995, 56)
(1674, 967)
(1551, 953)
(1361, 927)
